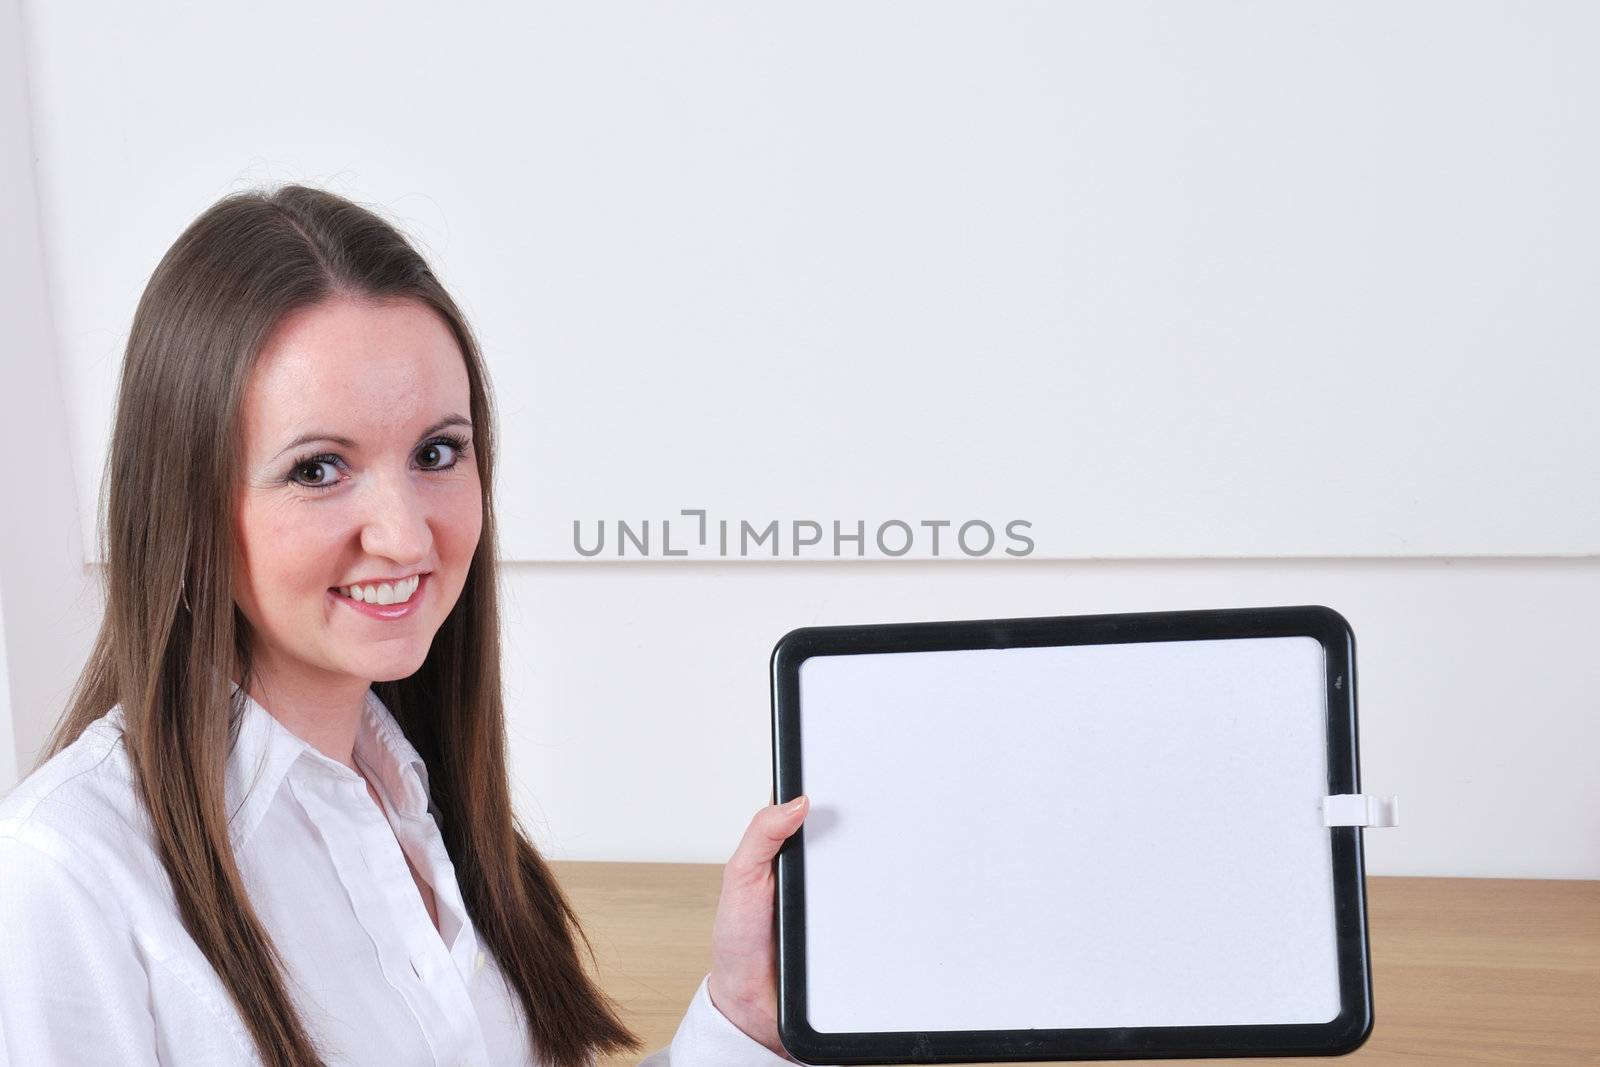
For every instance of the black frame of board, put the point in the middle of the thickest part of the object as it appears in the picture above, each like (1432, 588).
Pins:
(1342, 1034)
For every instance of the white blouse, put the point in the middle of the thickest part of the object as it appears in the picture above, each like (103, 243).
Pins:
(96, 966)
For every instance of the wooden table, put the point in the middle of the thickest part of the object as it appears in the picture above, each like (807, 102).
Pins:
(1465, 970)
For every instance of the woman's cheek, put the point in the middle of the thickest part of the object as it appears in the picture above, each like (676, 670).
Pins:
(466, 524)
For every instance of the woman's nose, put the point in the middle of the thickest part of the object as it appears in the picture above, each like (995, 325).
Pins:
(395, 521)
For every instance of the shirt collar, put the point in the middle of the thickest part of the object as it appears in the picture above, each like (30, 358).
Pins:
(264, 752)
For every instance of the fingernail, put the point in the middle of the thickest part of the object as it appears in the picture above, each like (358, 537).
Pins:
(794, 805)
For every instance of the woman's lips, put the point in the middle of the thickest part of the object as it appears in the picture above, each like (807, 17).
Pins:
(387, 611)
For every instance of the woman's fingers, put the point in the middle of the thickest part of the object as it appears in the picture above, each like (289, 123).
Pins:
(744, 961)
(771, 827)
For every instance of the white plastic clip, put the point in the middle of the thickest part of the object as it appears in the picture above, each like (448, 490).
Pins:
(1360, 809)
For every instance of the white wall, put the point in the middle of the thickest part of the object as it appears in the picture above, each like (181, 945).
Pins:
(47, 612)
(1167, 279)
(639, 691)
(642, 708)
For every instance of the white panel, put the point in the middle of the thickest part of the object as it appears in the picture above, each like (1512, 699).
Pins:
(1162, 279)
(1079, 836)
(8, 737)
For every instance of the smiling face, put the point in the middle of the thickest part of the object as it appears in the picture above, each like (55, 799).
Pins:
(397, 497)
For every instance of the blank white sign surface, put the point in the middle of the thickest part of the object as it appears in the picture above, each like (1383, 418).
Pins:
(1068, 836)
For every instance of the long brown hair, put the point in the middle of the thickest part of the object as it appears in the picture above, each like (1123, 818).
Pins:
(171, 633)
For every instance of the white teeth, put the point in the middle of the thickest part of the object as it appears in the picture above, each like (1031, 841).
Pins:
(384, 592)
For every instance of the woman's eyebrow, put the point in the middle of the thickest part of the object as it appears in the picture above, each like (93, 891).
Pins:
(345, 442)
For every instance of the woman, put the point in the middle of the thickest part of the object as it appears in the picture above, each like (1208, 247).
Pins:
(290, 838)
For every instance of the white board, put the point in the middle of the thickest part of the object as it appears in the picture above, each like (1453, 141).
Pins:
(1153, 808)
(1090, 835)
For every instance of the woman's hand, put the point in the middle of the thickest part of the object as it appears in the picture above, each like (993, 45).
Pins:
(744, 957)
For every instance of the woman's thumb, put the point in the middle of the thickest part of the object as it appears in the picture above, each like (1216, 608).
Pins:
(794, 807)
(767, 832)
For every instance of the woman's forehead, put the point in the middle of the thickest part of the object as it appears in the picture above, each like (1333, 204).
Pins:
(350, 364)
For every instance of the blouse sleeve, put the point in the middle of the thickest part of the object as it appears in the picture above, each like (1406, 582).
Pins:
(706, 1038)
(72, 988)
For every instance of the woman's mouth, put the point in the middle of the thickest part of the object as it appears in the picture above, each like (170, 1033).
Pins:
(384, 600)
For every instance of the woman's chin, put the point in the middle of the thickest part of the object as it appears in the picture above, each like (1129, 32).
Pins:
(392, 670)
(400, 660)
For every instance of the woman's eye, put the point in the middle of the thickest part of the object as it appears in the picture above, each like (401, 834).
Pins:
(431, 450)
(437, 456)
(315, 465)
